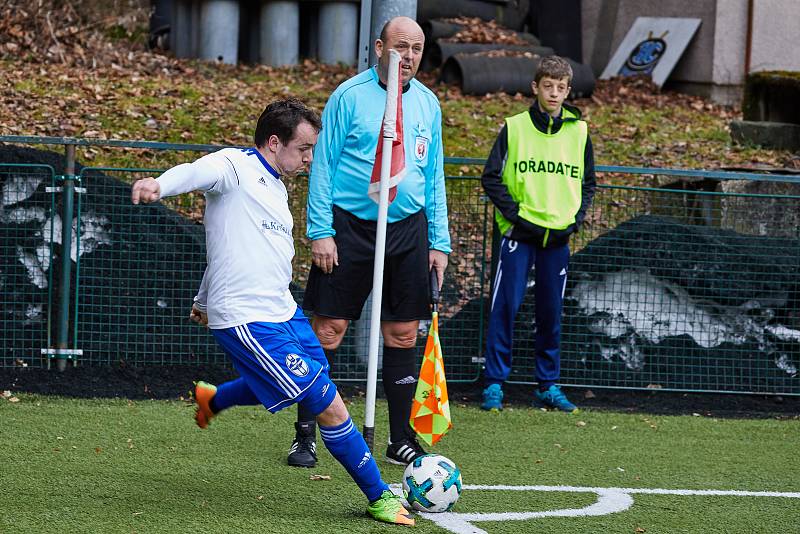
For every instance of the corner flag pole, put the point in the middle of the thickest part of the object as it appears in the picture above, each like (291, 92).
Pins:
(389, 132)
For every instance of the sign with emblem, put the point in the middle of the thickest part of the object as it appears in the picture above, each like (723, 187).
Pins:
(652, 46)
(296, 364)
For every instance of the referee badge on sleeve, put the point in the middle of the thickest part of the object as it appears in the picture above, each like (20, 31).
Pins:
(421, 149)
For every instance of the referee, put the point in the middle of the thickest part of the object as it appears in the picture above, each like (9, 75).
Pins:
(342, 221)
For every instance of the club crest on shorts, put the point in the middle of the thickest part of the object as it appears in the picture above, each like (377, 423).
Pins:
(421, 149)
(296, 364)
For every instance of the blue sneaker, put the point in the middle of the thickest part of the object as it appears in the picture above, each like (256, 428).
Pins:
(492, 398)
(553, 397)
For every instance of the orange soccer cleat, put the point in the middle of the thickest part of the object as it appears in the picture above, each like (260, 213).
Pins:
(203, 393)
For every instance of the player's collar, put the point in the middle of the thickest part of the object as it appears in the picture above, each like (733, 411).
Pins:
(266, 164)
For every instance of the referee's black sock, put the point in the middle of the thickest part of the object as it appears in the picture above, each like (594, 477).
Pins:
(304, 415)
(399, 384)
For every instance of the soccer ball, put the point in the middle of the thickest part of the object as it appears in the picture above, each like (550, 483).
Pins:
(432, 483)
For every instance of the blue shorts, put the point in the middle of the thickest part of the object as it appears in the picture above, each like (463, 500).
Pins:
(282, 363)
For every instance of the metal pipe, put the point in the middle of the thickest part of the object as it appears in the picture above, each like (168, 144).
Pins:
(180, 34)
(385, 10)
(364, 43)
(337, 40)
(280, 33)
(480, 74)
(748, 39)
(441, 50)
(76, 291)
(449, 160)
(219, 31)
(68, 195)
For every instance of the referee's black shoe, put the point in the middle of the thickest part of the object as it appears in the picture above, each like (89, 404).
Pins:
(303, 452)
(404, 451)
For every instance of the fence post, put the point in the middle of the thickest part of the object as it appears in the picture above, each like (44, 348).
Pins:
(488, 221)
(67, 206)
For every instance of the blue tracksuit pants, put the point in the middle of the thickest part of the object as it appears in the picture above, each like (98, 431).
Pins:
(510, 284)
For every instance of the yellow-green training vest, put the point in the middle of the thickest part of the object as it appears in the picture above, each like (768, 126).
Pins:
(544, 172)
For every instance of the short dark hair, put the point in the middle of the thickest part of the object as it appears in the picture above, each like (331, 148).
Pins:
(281, 118)
(555, 67)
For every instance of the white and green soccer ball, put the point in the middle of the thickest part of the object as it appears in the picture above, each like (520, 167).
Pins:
(432, 483)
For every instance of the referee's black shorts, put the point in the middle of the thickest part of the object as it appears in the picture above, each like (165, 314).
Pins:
(341, 294)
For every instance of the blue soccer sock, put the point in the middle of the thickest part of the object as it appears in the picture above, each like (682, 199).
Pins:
(233, 393)
(347, 445)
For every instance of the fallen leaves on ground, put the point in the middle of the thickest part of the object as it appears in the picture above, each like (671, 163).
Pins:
(77, 81)
(475, 30)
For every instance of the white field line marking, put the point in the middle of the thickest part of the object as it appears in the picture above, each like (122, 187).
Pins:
(651, 491)
(609, 501)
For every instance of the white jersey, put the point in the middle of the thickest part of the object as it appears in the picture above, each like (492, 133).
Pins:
(248, 236)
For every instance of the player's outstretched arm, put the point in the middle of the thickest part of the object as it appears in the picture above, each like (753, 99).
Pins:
(206, 174)
(145, 190)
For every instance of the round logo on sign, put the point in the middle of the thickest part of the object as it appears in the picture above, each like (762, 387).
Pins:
(644, 57)
(296, 364)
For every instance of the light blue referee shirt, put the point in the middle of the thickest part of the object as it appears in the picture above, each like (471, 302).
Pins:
(345, 154)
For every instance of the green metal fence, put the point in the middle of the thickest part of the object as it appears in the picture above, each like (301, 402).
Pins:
(29, 226)
(670, 288)
(140, 267)
(683, 291)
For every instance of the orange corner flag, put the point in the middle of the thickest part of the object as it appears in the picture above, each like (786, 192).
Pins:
(430, 413)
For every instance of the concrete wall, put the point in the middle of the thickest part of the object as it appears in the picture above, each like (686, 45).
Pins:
(776, 35)
(730, 42)
(597, 28)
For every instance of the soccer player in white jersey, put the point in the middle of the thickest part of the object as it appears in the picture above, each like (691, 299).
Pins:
(245, 290)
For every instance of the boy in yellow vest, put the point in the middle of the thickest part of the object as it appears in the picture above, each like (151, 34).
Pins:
(540, 177)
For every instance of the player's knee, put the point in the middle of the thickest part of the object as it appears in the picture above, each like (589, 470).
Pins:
(335, 414)
(405, 341)
(402, 337)
(329, 331)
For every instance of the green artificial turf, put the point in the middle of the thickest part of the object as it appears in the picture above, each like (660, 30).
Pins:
(119, 466)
